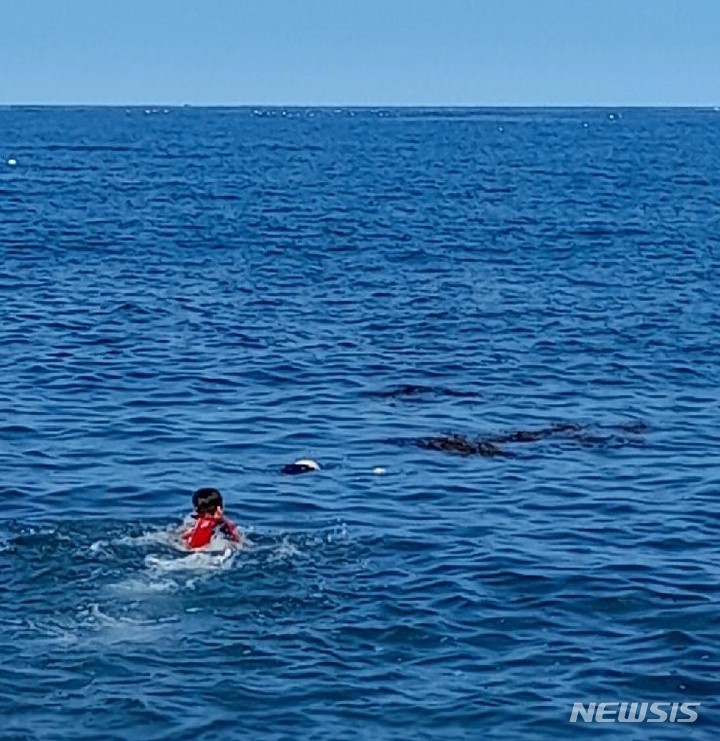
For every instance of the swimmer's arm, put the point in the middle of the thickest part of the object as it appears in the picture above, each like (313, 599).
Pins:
(232, 530)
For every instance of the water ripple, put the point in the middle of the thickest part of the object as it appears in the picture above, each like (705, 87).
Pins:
(200, 297)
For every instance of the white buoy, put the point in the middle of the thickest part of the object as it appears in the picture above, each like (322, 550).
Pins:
(12, 162)
(379, 470)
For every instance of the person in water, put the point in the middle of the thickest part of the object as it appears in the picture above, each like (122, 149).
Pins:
(209, 519)
(304, 465)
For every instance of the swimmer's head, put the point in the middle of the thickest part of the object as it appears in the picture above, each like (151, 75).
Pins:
(304, 465)
(207, 501)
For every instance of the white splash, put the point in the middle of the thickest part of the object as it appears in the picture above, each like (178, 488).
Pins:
(203, 561)
(284, 550)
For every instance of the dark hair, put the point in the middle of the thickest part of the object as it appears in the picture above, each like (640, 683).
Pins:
(206, 501)
(293, 469)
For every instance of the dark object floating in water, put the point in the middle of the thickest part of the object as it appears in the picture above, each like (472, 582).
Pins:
(490, 446)
(634, 426)
(305, 465)
(411, 390)
(460, 445)
(531, 436)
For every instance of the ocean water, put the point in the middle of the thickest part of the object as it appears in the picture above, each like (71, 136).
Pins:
(195, 297)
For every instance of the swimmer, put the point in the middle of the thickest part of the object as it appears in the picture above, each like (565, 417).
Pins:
(209, 519)
(304, 465)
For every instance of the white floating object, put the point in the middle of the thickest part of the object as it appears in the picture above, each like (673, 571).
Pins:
(12, 162)
(309, 462)
(379, 470)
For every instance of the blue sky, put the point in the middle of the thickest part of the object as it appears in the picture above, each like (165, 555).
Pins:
(361, 52)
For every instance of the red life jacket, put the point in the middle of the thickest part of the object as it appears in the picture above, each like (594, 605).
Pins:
(205, 527)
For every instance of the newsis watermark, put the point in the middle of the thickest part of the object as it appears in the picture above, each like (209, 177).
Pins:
(634, 712)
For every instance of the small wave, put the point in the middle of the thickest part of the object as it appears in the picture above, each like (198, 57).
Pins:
(120, 629)
(418, 392)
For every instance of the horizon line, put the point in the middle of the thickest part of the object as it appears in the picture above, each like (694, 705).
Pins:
(374, 106)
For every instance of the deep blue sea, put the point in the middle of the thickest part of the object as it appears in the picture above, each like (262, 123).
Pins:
(195, 297)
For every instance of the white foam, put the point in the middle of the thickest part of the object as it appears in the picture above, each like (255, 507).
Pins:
(92, 625)
(99, 548)
(122, 629)
(284, 550)
(203, 561)
(146, 586)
